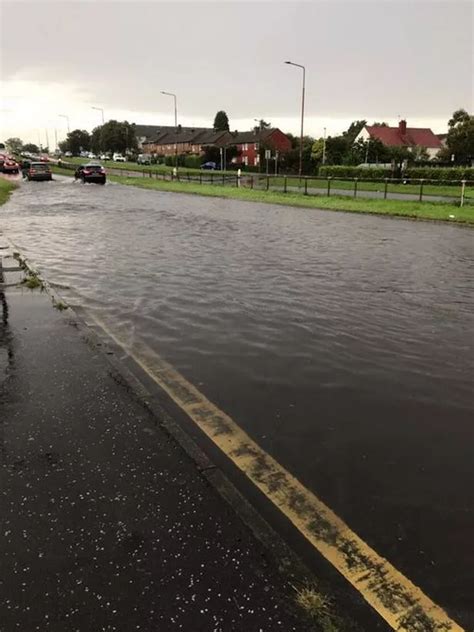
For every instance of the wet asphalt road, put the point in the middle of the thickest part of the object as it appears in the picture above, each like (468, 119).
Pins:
(341, 343)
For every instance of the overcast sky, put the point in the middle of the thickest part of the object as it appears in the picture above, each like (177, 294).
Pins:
(376, 60)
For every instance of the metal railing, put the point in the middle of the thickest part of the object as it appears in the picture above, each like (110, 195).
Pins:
(414, 189)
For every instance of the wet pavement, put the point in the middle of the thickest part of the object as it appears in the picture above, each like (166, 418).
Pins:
(106, 523)
(342, 344)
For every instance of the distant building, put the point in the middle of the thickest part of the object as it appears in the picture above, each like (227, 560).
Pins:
(249, 144)
(403, 136)
(185, 140)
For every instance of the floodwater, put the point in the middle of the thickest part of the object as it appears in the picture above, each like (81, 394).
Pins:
(342, 343)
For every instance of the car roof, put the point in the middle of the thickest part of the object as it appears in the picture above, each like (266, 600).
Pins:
(43, 164)
(92, 164)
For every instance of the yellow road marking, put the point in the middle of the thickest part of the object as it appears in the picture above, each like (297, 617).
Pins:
(397, 600)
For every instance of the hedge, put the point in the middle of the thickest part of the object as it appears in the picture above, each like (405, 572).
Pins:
(440, 173)
(414, 173)
(345, 171)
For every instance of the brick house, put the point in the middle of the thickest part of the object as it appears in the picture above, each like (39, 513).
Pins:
(249, 144)
(185, 140)
(403, 136)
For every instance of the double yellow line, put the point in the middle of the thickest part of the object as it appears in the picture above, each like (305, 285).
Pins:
(397, 600)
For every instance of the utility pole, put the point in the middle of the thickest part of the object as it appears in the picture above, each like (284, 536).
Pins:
(302, 112)
(100, 110)
(65, 116)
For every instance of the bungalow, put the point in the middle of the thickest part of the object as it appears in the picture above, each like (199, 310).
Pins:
(403, 136)
(249, 144)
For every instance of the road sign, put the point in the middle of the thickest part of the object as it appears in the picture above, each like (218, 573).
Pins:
(268, 154)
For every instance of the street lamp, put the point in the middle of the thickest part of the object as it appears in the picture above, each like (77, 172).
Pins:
(324, 147)
(170, 94)
(302, 113)
(67, 119)
(100, 110)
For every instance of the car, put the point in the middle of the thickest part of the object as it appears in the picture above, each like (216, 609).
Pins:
(144, 159)
(118, 158)
(36, 170)
(104, 157)
(92, 172)
(209, 165)
(10, 165)
(68, 154)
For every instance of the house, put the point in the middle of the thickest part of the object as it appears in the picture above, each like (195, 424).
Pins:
(185, 140)
(249, 144)
(403, 136)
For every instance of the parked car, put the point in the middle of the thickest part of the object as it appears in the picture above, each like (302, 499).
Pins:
(104, 157)
(36, 170)
(144, 159)
(9, 165)
(119, 158)
(91, 173)
(209, 165)
(68, 154)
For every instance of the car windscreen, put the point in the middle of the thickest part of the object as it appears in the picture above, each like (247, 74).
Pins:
(39, 166)
(93, 167)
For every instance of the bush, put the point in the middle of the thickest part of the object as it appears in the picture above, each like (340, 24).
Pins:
(440, 173)
(192, 162)
(345, 171)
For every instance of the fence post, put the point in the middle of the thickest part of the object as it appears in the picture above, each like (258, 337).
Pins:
(306, 186)
(212, 178)
(355, 187)
(223, 179)
(236, 182)
(200, 178)
(421, 190)
(284, 185)
(385, 189)
(463, 189)
(329, 186)
(268, 182)
(251, 182)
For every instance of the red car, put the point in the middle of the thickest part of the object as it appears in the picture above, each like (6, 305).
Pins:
(9, 165)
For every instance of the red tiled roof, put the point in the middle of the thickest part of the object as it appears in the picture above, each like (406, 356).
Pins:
(392, 136)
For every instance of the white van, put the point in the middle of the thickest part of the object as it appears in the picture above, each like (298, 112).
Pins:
(118, 158)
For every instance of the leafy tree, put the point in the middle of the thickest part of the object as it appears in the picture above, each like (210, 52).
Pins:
(289, 161)
(78, 140)
(221, 122)
(354, 130)
(262, 124)
(31, 148)
(419, 154)
(14, 145)
(95, 140)
(460, 139)
(117, 137)
(63, 146)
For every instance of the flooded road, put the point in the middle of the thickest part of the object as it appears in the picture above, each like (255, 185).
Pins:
(342, 344)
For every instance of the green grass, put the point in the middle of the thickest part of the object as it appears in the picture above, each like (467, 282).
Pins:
(401, 208)
(6, 187)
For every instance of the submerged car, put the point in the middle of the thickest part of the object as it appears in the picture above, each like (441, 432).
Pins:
(36, 170)
(91, 173)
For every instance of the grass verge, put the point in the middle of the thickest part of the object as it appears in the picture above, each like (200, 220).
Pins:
(6, 187)
(411, 209)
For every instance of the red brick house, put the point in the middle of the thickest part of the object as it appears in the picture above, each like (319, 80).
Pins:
(249, 145)
(403, 136)
(185, 140)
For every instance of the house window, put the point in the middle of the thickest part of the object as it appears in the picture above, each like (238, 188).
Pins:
(246, 160)
(245, 146)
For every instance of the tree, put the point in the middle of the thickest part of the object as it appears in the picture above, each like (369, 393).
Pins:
(262, 124)
(289, 161)
(117, 136)
(221, 122)
(31, 148)
(460, 139)
(14, 145)
(354, 130)
(78, 140)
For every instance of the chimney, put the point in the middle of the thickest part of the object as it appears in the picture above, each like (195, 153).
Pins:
(402, 127)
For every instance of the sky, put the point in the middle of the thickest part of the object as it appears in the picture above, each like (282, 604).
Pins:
(376, 60)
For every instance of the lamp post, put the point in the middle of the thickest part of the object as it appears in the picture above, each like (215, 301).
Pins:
(65, 116)
(324, 147)
(302, 113)
(170, 94)
(100, 110)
